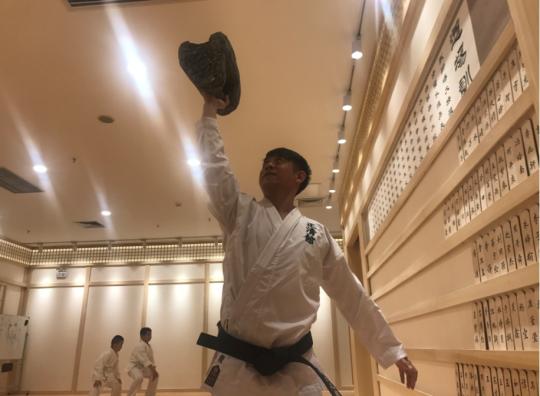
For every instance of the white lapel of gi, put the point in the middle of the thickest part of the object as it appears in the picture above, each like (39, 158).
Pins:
(247, 291)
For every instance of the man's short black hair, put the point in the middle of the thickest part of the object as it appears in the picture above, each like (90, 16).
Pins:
(145, 331)
(299, 162)
(117, 339)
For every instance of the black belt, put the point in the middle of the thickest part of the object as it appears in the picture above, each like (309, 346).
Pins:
(266, 361)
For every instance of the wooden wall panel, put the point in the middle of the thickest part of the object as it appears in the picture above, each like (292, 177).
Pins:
(421, 278)
(112, 274)
(180, 272)
(111, 310)
(11, 302)
(11, 272)
(52, 338)
(438, 172)
(448, 329)
(421, 243)
(456, 269)
(175, 314)
(47, 277)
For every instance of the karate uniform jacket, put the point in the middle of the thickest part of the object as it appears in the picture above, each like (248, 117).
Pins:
(273, 269)
(106, 367)
(142, 356)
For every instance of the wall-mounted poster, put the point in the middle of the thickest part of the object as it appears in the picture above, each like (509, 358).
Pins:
(13, 331)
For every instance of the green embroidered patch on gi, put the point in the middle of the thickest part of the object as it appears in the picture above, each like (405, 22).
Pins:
(310, 233)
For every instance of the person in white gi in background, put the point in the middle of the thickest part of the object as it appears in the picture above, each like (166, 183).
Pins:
(142, 365)
(106, 371)
(275, 261)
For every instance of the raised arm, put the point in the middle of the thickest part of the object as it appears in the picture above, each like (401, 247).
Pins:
(219, 180)
(363, 315)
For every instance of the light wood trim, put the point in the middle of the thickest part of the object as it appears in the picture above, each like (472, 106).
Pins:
(507, 359)
(55, 285)
(517, 113)
(80, 337)
(205, 317)
(23, 298)
(145, 295)
(12, 282)
(130, 264)
(364, 367)
(117, 283)
(3, 301)
(513, 200)
(493, 60)
(177, 281)
(353, 172)
(521, 278)
(335, 345)
(400, 387)
(524, 13)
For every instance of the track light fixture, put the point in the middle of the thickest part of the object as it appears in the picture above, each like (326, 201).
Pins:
(341, 135)
(357, 49)
(347, 102)
(335, 168)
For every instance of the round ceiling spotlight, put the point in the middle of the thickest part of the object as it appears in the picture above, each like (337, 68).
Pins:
(106, 213)
(106, 119)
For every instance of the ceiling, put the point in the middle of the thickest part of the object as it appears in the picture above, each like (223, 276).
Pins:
(62, 67)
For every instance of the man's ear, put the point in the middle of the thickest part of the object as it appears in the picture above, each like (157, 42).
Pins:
(301, 176)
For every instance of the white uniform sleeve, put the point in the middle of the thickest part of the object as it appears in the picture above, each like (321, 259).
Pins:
(364, 316)
(220, 182)
(99, 369)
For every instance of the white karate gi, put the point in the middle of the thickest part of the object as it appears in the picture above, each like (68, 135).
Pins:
(272, 269)
(106, 371)
(142, 357)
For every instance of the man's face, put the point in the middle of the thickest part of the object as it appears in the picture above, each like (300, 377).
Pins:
(118, 346)
(147, 337)
(279, 173)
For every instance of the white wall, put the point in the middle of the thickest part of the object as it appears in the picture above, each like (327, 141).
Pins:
(52, 339)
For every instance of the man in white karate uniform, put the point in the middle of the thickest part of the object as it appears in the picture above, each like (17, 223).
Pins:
(106, 371)
(142, 365)
(275, 261)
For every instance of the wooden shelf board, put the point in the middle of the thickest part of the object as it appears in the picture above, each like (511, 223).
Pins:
(521, 278)
(506, 359)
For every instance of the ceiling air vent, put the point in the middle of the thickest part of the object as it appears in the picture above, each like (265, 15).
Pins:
(16, 184)
(90, 224)
(78, 3)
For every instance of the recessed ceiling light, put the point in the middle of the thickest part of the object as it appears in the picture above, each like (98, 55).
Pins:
(332, 191)
(194, 162)
(106, 213)
(106, 119)
(40, 168)
(328, 206)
